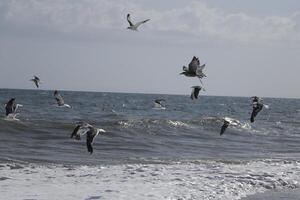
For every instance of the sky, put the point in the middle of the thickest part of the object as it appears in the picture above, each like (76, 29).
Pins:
(250, 47)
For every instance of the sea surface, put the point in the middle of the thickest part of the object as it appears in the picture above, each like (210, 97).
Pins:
(147, 153)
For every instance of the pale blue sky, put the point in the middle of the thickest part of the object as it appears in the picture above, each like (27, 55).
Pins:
(251, 47)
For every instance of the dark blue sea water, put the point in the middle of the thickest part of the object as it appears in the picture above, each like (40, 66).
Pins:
(184, 138)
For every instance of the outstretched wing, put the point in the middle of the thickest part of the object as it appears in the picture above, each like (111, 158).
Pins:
(255, 111)
(90, 136)
(195, 92)
(158, 101)
(129, 20)
(224, 127)
(36, 83)
(10, 107)
(201, 67)
(36, 78)
(60, 101)
(142, 22)
(79, 131)
(194, 65)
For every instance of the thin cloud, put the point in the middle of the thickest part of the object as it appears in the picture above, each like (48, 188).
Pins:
(196, 18)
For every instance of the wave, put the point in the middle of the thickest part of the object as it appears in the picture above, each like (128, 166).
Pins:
(201, 179)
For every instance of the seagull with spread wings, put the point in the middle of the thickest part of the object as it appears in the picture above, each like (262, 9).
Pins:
(36, 81)
(88, 130)
(133, 26)
(194, 69)
(60, 101)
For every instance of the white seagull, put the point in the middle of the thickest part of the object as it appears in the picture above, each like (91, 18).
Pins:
(60, 101)
(134, 26)
(91, 132)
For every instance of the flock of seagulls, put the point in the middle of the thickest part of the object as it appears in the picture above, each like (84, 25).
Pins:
(194, 69)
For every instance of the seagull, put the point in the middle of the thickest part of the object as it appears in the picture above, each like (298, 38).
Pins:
(224, 127)
(134, 26)
(158, 103)
(91, 132)
(60, 101)
(11, 108)
(195, 92)
(257, 106)
(194, 69)
(36, 81)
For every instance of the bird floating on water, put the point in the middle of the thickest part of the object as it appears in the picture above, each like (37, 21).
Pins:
(90, 132)
(133, 26)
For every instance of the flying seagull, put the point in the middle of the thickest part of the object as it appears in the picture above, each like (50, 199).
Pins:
(11, 108)
(224, 127)
(228, 121)
(195, 92)
(91, 132)
(257, 106)
(36, 81)
(194, 69)
(60, 101)
(134, 26)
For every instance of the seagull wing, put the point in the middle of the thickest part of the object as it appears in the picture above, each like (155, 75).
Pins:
(10, 107)
(79, 131)
(142, 22)
(59, 99)
(129, 20)
(36, 78)
(194, 64)
(193, 94)
(158, 101)
(36, 83)
(90, 136)
(255, 111)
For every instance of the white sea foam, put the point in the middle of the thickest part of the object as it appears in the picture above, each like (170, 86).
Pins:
(189, 180)
(177, 123)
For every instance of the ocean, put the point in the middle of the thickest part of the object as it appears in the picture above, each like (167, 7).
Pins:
(147, 153)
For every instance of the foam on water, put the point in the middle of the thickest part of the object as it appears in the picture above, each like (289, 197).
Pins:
(176, 180)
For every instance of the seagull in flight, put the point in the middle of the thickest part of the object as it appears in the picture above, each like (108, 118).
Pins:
(224, 126)
(158, 103)
(60, 101)
(36, 81)
(195, 92)
(88, 130)
(194, 69)
(257, 106)
(134, 26)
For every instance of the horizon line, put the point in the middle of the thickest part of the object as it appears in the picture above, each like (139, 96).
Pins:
(149, 93)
